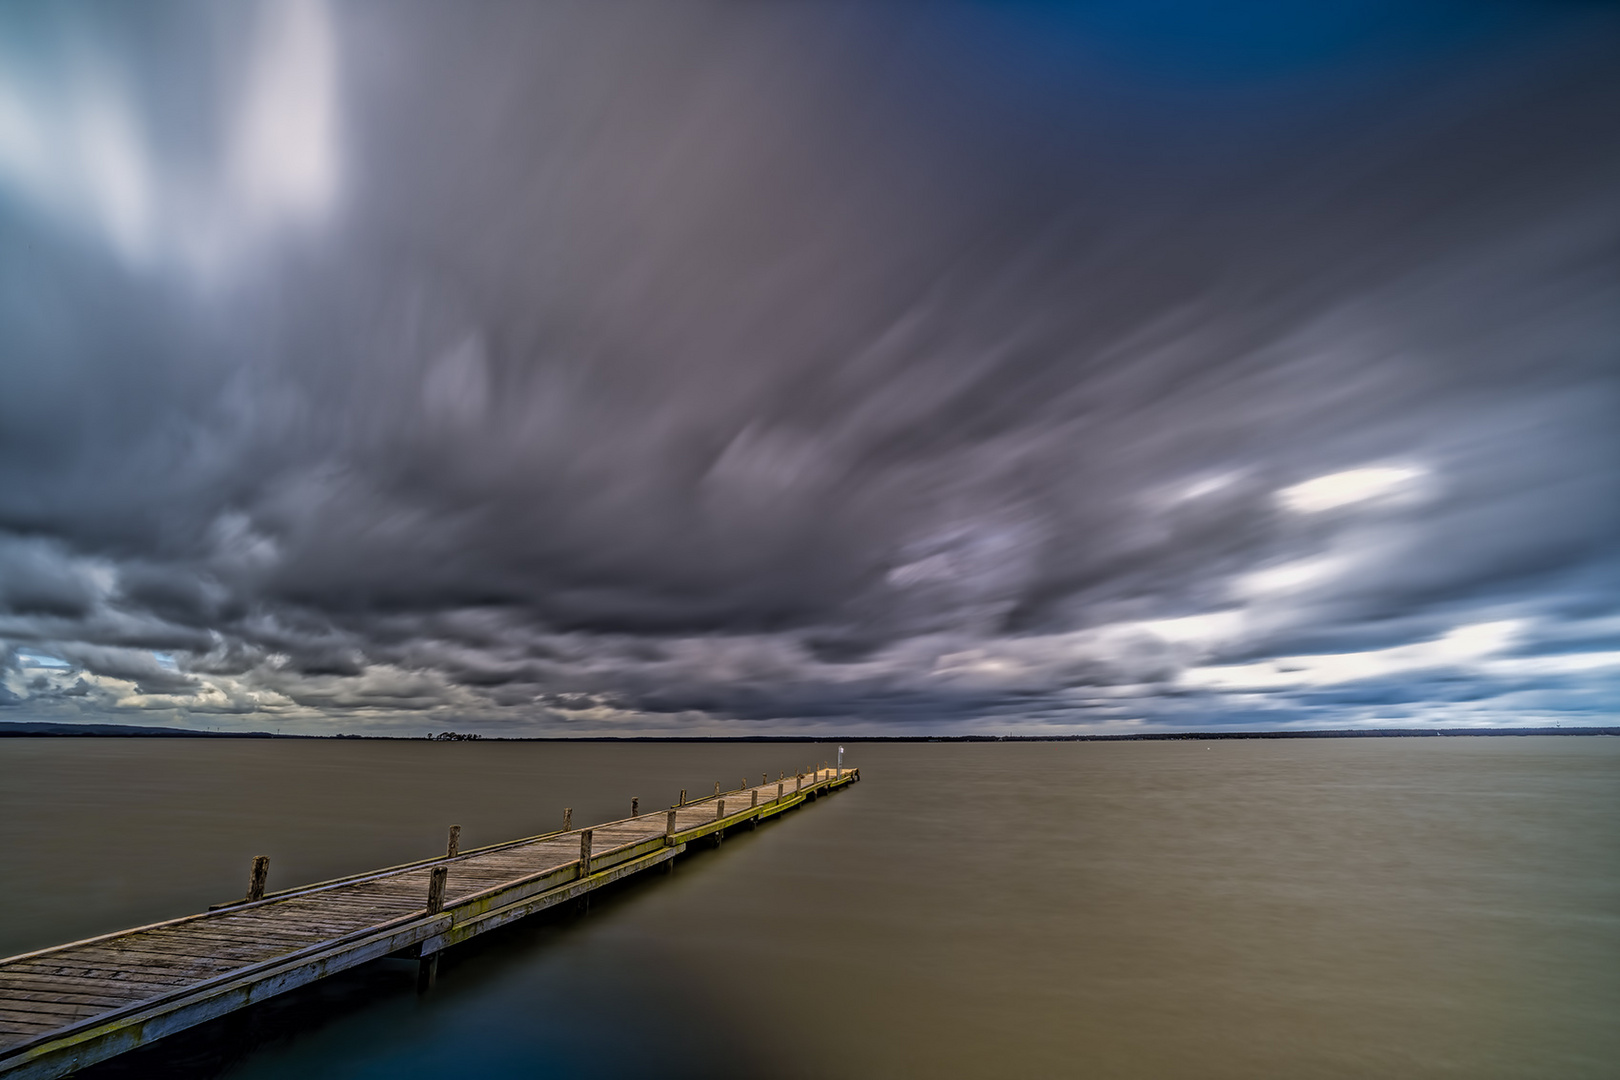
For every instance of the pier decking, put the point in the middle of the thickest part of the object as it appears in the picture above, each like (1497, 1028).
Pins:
(69, 1006)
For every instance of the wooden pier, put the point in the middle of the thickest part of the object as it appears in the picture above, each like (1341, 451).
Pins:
(69, 1006)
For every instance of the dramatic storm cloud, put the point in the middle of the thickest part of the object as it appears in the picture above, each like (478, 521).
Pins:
(610, 368)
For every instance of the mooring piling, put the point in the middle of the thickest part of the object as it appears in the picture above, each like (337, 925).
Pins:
(257, 876)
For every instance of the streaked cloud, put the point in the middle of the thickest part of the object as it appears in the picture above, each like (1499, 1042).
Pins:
(679, 368)
(75, 144)
(1350, 487)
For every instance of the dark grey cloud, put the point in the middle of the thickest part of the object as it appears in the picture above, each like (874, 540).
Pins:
(681, 366)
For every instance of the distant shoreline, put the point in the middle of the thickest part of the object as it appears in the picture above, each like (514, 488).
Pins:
(28, 729)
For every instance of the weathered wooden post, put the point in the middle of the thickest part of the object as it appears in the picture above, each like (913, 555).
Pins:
(568, 818)
(669, 829)
(764, 778)
(744, 785)
(427, 969)
(798, 784)
(257, 878)
(719, 809)
(453, 848)
(755, 800)
(585, 853)
(717, 787)
(436, 882)
(683, 798)
(635, 807)
(779, 787)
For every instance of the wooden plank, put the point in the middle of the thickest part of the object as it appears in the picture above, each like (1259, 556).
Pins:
(235, 932)
(75, 968)
(71, 1010)
(352, 914)
(268, 935)
(33, 1022)
(90, 995)
(127, 959)
(184, 948)
(23, 982)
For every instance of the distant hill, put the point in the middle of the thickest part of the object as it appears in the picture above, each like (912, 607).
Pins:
(16, 729)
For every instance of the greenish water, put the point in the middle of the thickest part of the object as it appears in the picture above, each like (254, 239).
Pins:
(1334, 908)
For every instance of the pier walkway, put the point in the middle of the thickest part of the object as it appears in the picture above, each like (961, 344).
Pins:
(72, 1005)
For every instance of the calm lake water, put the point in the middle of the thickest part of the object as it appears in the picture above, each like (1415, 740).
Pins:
(1334, 908)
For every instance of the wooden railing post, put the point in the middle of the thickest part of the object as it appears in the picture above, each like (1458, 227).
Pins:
(436, 881)
(568, 819)
(257, 877)
(453, 848)
(779, 787)
(585, 853)
(635, 807)
(719, 809)
(755, 800)
(717, 787)
(683, 798)
(669, 829)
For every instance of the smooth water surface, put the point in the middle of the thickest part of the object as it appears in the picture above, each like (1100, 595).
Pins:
(1330, 908)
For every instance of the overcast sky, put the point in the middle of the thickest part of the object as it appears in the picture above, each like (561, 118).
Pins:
(717, 368)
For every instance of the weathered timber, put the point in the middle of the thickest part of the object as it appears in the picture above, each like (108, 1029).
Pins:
(257, 877)
(436, 883)
(69, 1006)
